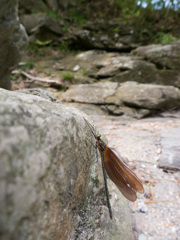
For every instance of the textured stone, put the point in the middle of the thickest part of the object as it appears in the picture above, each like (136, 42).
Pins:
(46, 191)
(41, 179)
(13, 40)
(146, 72)
(164, 56)
(170, 156)
(90, 93)
(147, 96)
(89, 39)
(32, 6)
(32, 21)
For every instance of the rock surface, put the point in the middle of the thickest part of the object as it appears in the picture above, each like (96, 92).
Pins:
(87, 38)
(164, 56)
(13, 40)
(145, 72)
(156, 214)
(48, 188)
(129, 98)
(147, 96)
(169, 158)
(90, 93)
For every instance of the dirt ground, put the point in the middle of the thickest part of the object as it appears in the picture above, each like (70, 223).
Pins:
(156, 215)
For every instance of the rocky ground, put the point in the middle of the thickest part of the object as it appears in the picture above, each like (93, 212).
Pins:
(146, 144)
(121, 75)
(151, 144)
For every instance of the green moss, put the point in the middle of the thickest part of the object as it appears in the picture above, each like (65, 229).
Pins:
(68, 76)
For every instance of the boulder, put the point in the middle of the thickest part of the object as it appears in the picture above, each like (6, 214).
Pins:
(48, 189)
(164, 56)
(147, 96)
(115, 67)
(90, 93)
(146, 72)
(42, 27)
(13, 40)
(32, 6)
(129, 98)
(33, 21)
(110, 36)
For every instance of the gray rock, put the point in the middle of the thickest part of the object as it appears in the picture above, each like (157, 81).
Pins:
(113, 64)
(32, 22)
(142, 207)
(41, 93)
(147, 96)
(32, 6)
(90, 93)
(40, 177)
(89, 109)
(145, 72)
(119, 68)
(123, 110)
(89, 38)
(13, 40)
(43, 27)
(45, 184)
(113, 109)
(164, 56)
(130, 98)
(135, 112)
(170, 156)
(106, 72)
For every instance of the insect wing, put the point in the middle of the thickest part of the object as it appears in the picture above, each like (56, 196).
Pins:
(126, 180)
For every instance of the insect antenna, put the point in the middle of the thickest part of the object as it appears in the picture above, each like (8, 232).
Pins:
(91, 128)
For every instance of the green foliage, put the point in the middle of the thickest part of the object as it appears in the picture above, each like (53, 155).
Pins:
(68, 76)
(63, 46)
(65, 28)
(53, 14)
(144, 13)
(32, 47)
(15, 77)
(84, 72)
(48, 73)
(77, 18)
(45, 43)
(116, 29)
(164, 38)
(137, 13)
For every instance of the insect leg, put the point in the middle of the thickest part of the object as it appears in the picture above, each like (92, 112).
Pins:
(106, 186)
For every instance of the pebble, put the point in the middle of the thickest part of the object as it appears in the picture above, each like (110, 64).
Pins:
(142, 237)
(76, 68)
(142, 207)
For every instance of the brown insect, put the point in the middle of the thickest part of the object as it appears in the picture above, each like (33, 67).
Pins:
(124, 178)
